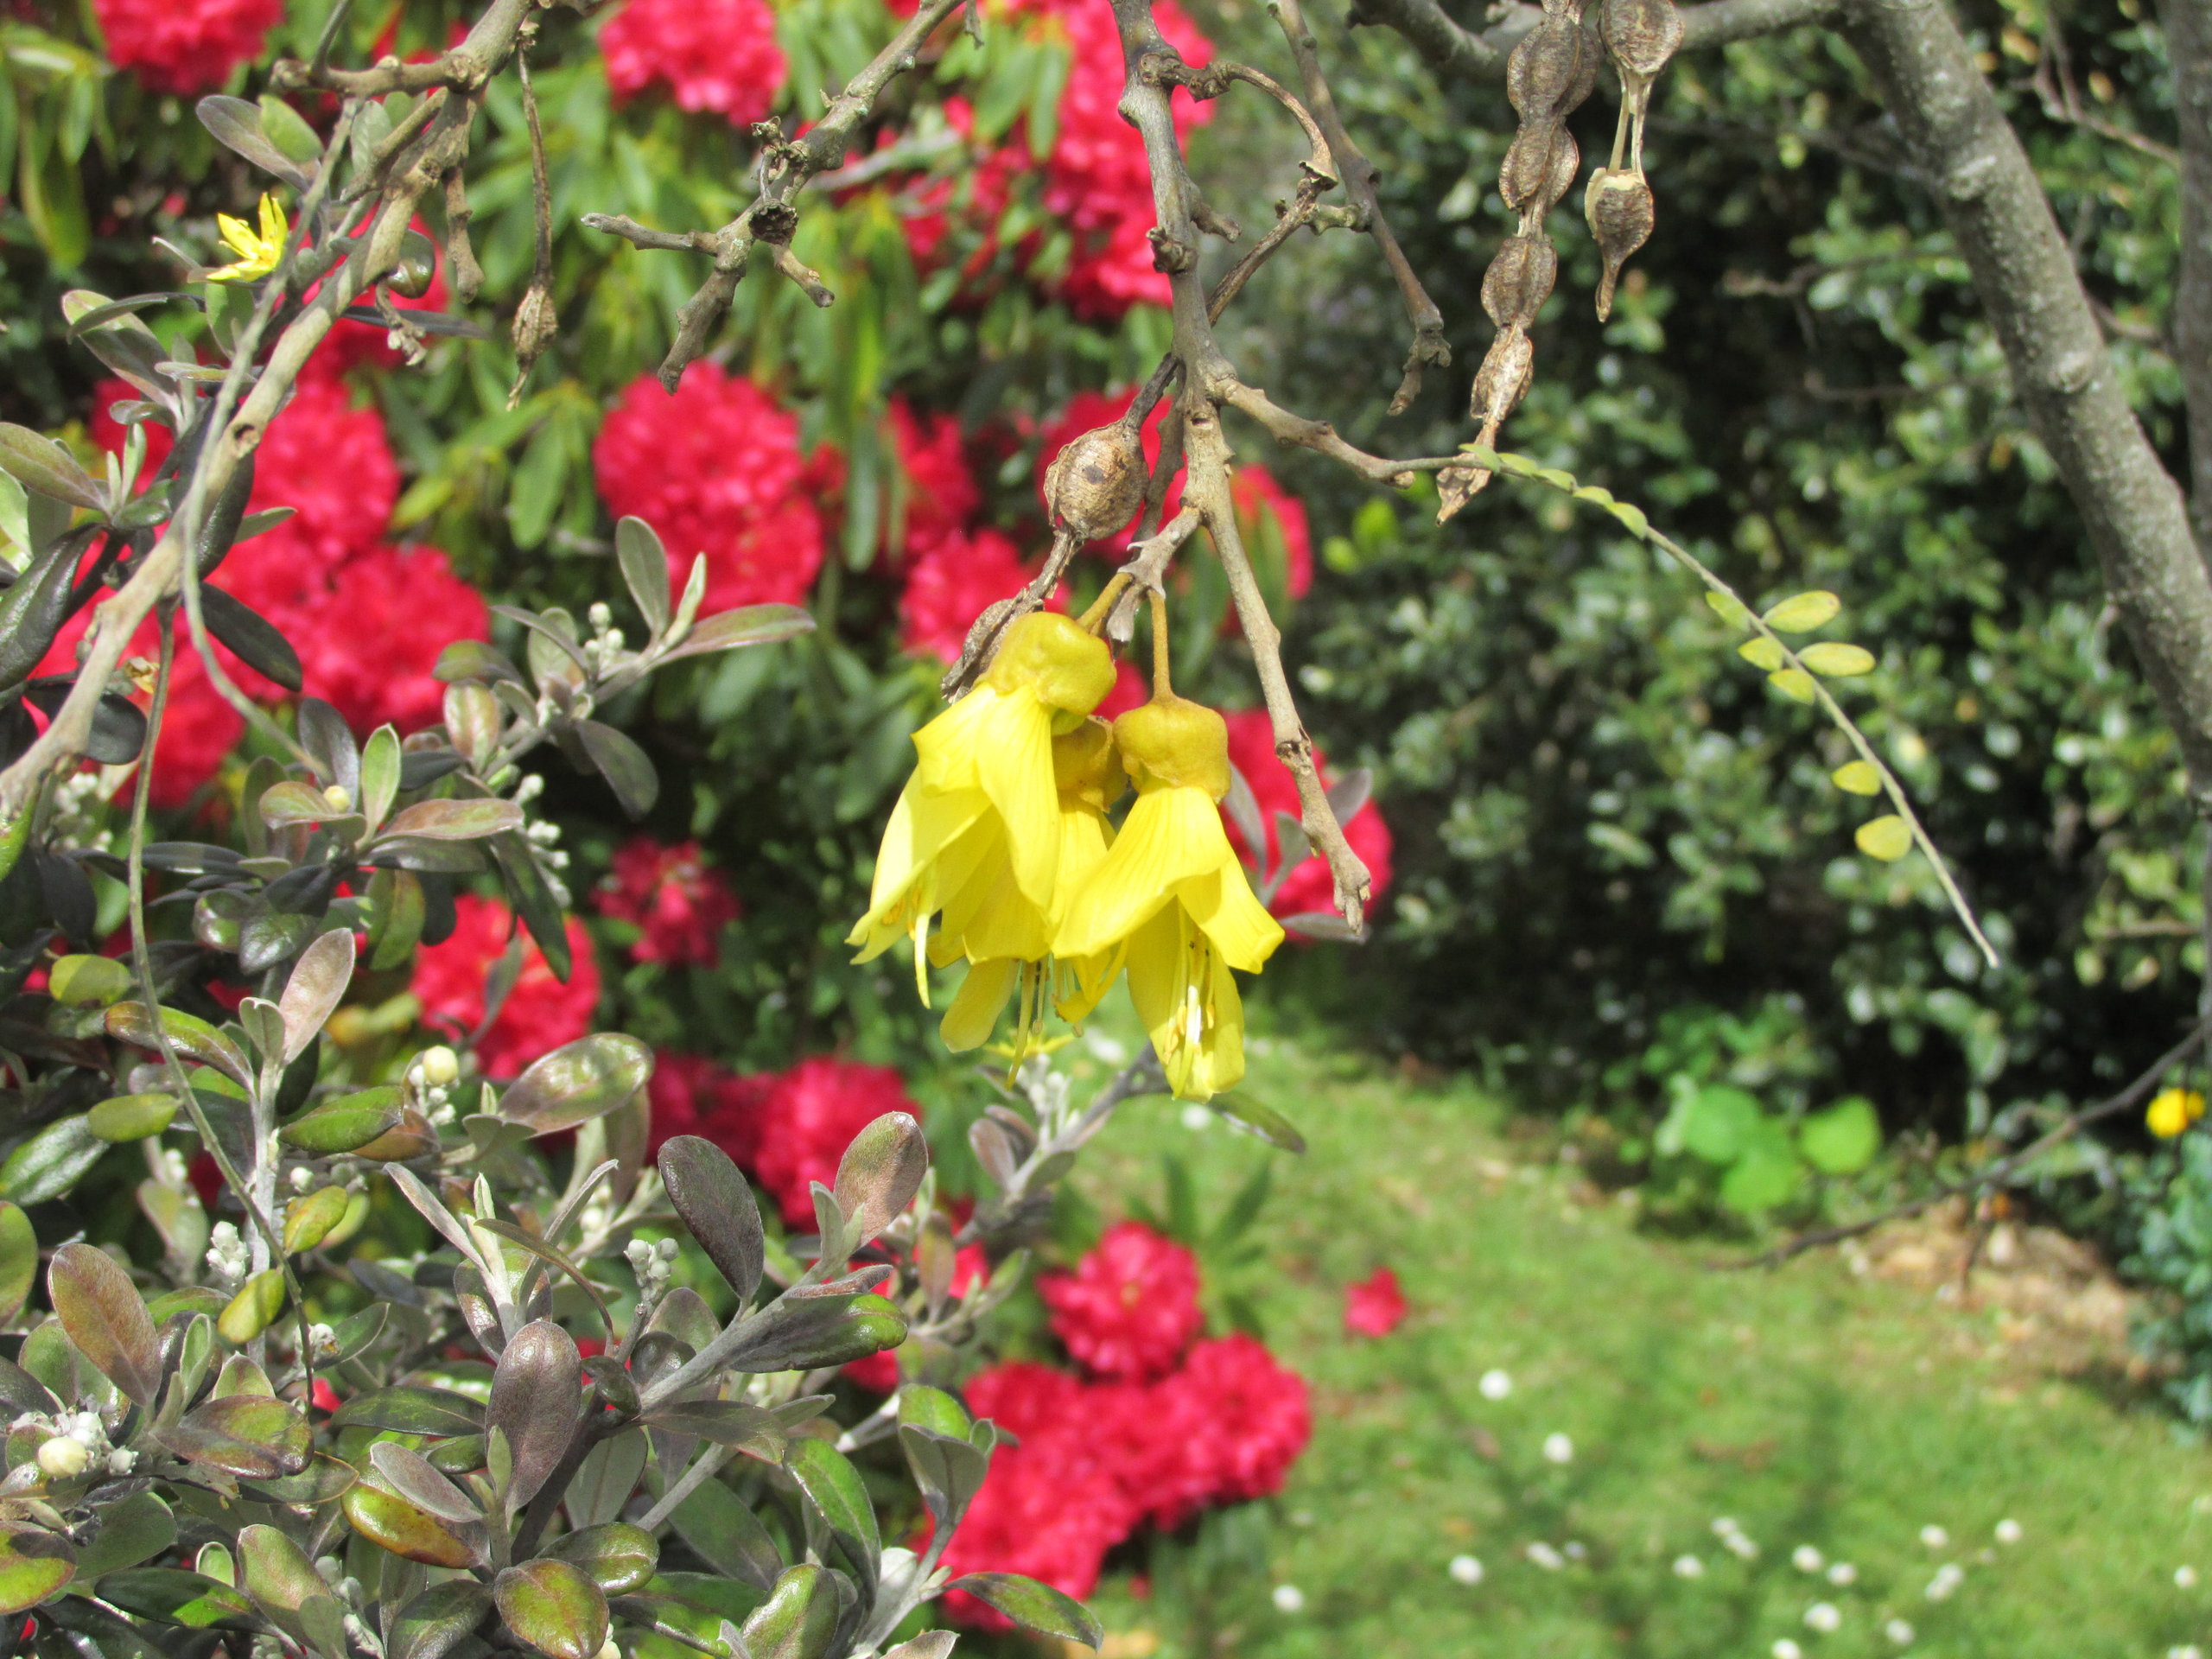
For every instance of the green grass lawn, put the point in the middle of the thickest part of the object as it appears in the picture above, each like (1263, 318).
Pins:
(1811, 1408)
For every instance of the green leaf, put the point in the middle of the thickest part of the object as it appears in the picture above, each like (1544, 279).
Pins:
(131, 1118)
(923, 1407)
(718, 1204)
(1761, 652)
(190, 1036)
(1888, 837)
(52, 1161)
(344, 1124)
(237, 124)
(1857, 778)
(1843, 1139)
(250, 1435)
(555, 1607)
(44, 465)
(309, 1218)
(537, 1402)
(1718, 1122)
(755, 625)
(455, 820)
(1240, 1111)
(131, 1530)
(390, 1521)
(412, 1409)
(1033, 1605)
(627, 769)
(617, 1556)
(578, 1081)
(18, 1261)
(645, 569)
(319, 979)
(726, 1535)
(799, 1618)
(1768, 1173)
(433, 1624)
(172, 1597)
(948, 1469)
(380, 774)
(33, 1566)
(88, 982)
(1802, 612)
(819, 1331)
(1836, 660)
(834, 1487)
(1794, 684)
(284, 1583)
(257, 1303)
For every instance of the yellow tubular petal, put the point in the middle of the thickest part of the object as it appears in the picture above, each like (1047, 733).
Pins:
(975, 1011)
(274, 229)
(1084, 838)
(238, 235)
(1014, 766)
(947, 747)
(1172, 834)
(1080, 983)
(1187, 999)
(1223, 907)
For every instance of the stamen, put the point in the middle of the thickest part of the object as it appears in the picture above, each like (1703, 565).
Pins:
(922, 957)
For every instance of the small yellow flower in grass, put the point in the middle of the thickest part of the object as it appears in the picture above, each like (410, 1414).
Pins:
(258, 253)
(988, 920)
(2174, 1110)
(982, 803)
(1171, 891)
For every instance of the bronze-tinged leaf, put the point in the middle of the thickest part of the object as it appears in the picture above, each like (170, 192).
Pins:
(1036, 1606)
(33, 1566)
(411, 1475)
(617, 1556)
(411, 1137)
(718, 1206)
(880, 1174)
(751, 1429)
(347, 1123)
(323, 1481)
(284, 1583)
(18, 1259)
(578, 1081)
(436, 1622)
(412, 1410)
(553, 1606)
(455, 820)
(799, 1618)
(248, 1436)
(311, 994)
(537, 1402)
(107, 1318)
(800, 1335)
(383, 1517)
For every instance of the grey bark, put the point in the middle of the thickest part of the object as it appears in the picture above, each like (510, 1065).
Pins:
(2189, 46)
(1453, 49)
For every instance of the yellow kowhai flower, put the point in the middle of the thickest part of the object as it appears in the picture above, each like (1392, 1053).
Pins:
(1171, 893)
(981, 801)
(1004, 936)
(258, 253)
(2173, 1111)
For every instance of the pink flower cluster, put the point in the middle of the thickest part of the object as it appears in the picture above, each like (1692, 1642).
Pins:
(1162, 1426)
(678, 905)
(368, 619)
(1252, 750)
(716, 469)
(788, 1128)
(539, 1014)
(713, 54)
(1094, 180)
(1265, 512)
(185, 45)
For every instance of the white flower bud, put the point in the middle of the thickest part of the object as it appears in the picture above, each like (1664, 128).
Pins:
(440, 1066)
(63, 1457)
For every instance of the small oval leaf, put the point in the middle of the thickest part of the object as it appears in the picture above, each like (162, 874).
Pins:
(1888, 838)
(718, 1204)
(1857, 778)
(1837, 660)
(107, 1318)
(578, 1081)
(553, 1606)
(1800, 613)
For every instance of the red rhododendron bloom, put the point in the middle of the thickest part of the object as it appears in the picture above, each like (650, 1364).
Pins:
(1259, 1413)
(539, 1014)
(805, 1118)
(715, 469)
(185, 45)
(1375, 1306)
(690, 1094)
(942, 494)
(1130, 1308)
(712, 55)
(1308, 887)
(950, 586)
(678, 905)
(370, 638)
(199, 727)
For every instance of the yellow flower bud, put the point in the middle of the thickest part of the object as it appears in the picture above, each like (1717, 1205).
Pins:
(1172, 741)
(440, 1066)
(1064, 664)
(63, 1458)
(2173, 1111)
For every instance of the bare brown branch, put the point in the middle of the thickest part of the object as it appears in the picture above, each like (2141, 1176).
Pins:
(2188, 44)
(1454, 50)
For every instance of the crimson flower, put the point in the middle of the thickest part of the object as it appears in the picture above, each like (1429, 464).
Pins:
(803, 1118)
(690, 1094)
(1259, 1415)
(1308, 887)
(1375, 1306)
(185, 45)
(678, 905)
(942, 494)
(713, 54)
(539, 1014)
(1130, 1308)
(950, 586)
(715, 469)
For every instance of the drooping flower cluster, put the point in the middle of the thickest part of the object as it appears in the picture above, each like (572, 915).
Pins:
(720, 55)
(1095, 183)
(715, 469)
(368, 620)
(678, 905)
(1002, 828)
(1152, 1434)
(539, 1014)
(185, 45)
(1309, 888)
(788, 1128)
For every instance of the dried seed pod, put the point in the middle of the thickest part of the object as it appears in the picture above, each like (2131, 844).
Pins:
(1530, 162)
(1504, 378)
(1519, 280)
(1547, 63)
(1641, 36)
(1566, 162)
(1619, 207)
(1095, 485)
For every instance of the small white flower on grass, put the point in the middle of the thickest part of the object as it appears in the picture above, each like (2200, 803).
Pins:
(1495, 1385)
(1947, 1578)
(1843, 1573)
(1784, 1648)
(1688, 1567)
(2008, 1532)
(1724, 1524)
(1934, 1536)
(1466, 1569)
(1740, 1546)
(1558, 1449)
(1289, 1599)
(1822, 1616)
(1577, 1551)
(1899, 1631)
(1195, 1117)
(2186, 1650)
(2185, 1578)
(1806, 1559)
(1546, 1557)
